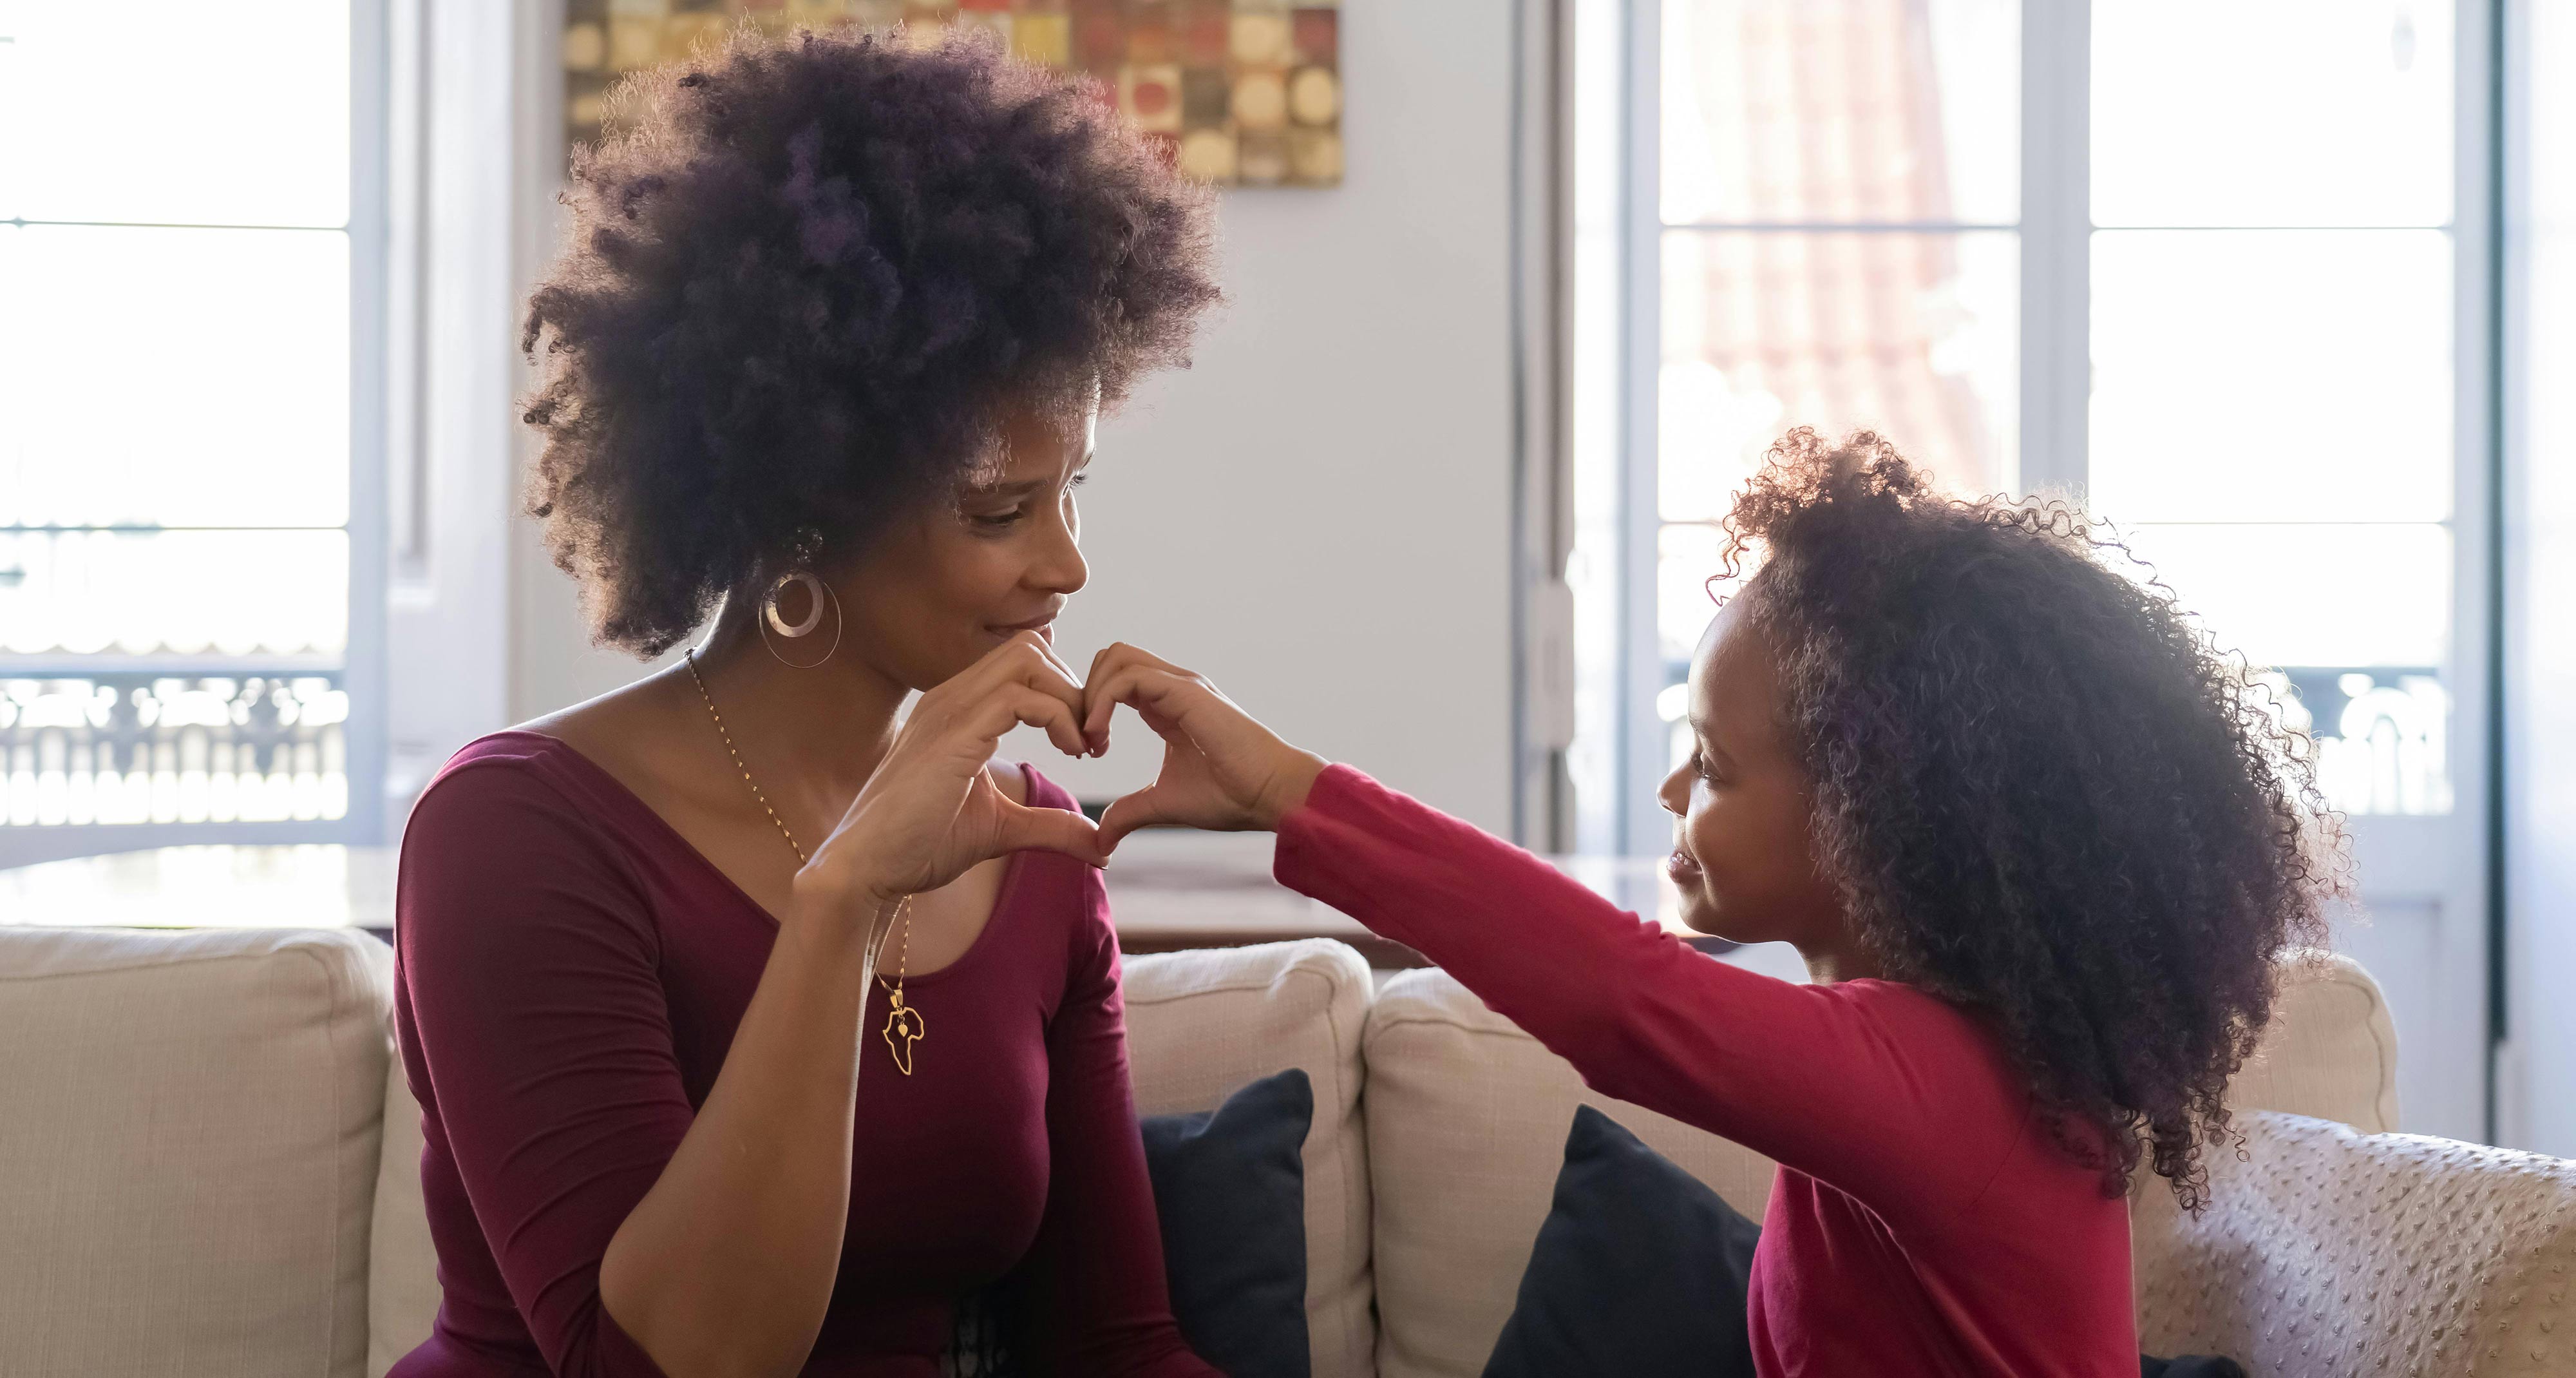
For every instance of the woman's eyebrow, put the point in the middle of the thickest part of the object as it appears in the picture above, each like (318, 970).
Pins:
(1023, 486)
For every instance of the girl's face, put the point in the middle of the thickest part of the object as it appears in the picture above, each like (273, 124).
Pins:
(1743, 849)
(942, 587)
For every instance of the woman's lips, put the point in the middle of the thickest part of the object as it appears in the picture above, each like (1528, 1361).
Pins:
(1043, 626)
(1681, 867)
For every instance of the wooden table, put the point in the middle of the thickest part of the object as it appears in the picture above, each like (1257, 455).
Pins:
(1169, 891)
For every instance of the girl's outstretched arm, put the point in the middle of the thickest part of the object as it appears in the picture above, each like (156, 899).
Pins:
(1860, 1084)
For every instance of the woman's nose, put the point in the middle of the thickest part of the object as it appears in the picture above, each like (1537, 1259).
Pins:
(1059, 567)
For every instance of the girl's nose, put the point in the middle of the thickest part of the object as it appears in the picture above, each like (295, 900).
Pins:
(1674, 792)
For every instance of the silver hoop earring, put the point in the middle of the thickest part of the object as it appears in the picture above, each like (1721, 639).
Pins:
(818, 593)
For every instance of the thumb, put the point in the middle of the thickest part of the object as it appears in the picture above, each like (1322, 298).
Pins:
(1127, 813)
(1057, 830)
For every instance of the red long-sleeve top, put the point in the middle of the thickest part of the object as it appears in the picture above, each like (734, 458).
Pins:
(1922, 1221)
(571, 973)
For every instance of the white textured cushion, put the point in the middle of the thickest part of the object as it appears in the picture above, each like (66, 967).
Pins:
(402, 1279)
(1202, 1024)
(189, 1124)
(2326, 1251)
(1467, 1120)
(2331, 1052)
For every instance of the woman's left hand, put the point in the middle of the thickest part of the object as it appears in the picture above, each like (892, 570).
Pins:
(931, 810)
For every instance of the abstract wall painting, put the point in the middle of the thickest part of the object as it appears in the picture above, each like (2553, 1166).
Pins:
(1239, 92)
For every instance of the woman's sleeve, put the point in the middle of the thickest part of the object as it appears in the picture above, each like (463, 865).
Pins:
(528, 963)
(1097, 1304)
(1854, 1084)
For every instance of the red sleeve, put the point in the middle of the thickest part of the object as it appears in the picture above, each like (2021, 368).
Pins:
(1098, 1305)
(529, 965)
(1870, 1086)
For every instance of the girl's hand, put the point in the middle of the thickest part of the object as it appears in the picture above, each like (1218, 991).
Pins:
(931, 810)
(1222, 770)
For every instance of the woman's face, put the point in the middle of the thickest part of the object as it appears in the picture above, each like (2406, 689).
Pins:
(946, 584)
(1743, 849)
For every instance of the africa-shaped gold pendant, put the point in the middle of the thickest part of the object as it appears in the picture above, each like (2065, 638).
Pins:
(904, 1027)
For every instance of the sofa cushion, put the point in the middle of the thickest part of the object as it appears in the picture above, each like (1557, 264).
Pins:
(1466, 1116)
(2327, 1251)
(2331, 1052)
(1202, 1024)
(402, 1276)
(190, 1122)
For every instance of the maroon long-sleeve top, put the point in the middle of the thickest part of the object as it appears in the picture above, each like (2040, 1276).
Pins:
(1922, 1221)
(571, 973)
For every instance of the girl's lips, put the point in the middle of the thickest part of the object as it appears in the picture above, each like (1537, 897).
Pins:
(1044, 627)
(1681, 867)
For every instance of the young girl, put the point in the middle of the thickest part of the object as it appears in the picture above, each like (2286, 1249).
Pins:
(2038, 843)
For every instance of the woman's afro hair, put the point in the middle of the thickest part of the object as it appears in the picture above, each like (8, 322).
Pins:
(803, 290)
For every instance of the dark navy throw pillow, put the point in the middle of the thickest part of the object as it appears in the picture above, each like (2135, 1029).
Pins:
(1640, 1270)
(1230, 1186)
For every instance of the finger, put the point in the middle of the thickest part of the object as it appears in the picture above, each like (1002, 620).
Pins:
(1162, 697)
(1126, 814)
(1054, 657)
(1144, 686)
(1024, 661)
(1095, 710)
(1025, 657)
(1118, 655)
(1057, 830)
(1041, 669)
(1013, 704)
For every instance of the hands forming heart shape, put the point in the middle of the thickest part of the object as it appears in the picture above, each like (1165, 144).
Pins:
(931, 810)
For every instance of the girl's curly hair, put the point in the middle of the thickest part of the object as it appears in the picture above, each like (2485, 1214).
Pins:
(2042, 792)
(800, 293)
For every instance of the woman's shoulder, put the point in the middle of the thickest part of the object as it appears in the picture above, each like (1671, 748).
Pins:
(511, 768)
(510, 842)
(512, 793)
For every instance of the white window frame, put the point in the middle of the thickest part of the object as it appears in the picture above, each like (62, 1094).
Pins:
(362, 667)
(2443, 862)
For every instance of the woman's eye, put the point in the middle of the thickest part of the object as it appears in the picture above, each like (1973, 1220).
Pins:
(994, 520)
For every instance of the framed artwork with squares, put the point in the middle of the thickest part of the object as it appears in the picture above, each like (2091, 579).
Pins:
(1239, 92)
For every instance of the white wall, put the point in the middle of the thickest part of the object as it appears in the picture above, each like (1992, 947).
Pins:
(1316, 515)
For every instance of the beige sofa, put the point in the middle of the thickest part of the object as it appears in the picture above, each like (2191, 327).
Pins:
(208, 1168)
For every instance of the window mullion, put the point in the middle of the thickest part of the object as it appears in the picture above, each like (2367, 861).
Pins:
(1642, 745)
(2056, 244)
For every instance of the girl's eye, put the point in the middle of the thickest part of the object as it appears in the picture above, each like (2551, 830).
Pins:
(995, 521)
(1077, 480)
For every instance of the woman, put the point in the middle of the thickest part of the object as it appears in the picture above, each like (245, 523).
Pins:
(2038, 843)
(752, 1026)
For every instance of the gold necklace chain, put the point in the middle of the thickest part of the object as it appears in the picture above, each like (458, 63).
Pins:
(691, 655)
(904, 1025)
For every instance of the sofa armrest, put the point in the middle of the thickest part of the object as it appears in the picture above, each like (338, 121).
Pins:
(2328, 1251)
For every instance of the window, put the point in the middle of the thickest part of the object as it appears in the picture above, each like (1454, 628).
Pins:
(187, 267)
(1838, 213)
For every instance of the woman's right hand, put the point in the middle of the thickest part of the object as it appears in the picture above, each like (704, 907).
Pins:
(1222, 770)
(931, 809)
